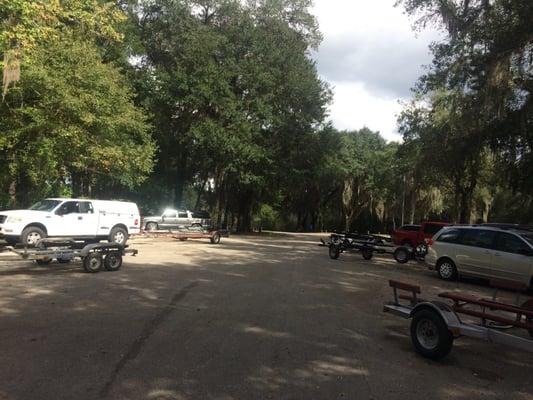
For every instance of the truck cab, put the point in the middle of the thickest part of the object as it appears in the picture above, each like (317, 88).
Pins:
(176, 219)
(413, 235)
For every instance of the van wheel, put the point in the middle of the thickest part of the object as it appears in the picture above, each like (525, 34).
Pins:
(31, 235)
(93, 262)
(430, 334)
(447, 270)
(118, 235)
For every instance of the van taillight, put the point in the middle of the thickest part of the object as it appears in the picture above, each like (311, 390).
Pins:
(136, 222)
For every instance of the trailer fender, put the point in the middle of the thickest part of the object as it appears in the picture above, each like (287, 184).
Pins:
(446, 313)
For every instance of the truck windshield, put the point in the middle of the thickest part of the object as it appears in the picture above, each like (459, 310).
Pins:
(45, 205)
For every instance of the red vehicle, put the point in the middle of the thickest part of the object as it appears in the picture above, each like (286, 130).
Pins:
(413, 235)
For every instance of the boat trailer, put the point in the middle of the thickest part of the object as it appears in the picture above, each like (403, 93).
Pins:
(436, 324)
(94, 256)
(368, 245)
(214, 235)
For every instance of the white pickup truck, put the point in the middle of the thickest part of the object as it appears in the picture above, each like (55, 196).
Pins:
(73, 218)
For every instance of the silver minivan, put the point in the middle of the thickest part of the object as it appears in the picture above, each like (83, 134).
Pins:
(489, 252)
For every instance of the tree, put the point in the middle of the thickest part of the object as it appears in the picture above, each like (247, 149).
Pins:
(71, 123)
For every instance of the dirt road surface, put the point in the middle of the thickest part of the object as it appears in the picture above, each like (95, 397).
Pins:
(251, 318)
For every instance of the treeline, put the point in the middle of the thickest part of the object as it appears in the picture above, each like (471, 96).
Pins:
(217, 105)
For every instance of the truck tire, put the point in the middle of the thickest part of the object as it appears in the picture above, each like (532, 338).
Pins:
(118, 235)
(31, 235)
(401, 255)
(151, 226)
(92, 263)
(215, 239)
(113, 261)
(447, 269)
(430, 334)
(11, 241)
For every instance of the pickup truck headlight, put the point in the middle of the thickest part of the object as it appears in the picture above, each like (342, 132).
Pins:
(13, 220)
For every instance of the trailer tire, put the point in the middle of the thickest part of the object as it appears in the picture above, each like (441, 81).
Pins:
(430, 334)
(43, 261)
(62, 260)
(401, 255)
(334, 251)
(367, 254)
(92, 263)
(113, 261)
(215, 239)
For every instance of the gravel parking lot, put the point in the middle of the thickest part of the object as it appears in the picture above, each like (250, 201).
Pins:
(256, 317)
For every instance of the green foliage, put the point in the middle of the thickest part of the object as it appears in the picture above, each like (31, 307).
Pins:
(72, 119)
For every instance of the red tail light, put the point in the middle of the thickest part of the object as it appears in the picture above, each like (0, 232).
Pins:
(136, 222)
(430, 242)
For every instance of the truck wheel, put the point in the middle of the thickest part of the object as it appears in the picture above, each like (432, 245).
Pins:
(118, 235)
(93, 262)
(446, 270)
(113, 261)
(430, 334)
(401, 255)
(334, 251)
(367, 254)
(215, 239)
(31, 235)
(151, 226)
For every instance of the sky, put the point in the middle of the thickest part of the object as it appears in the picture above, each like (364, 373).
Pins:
(371, 57)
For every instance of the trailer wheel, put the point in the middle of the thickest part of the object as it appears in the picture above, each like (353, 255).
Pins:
(401, 255)
(430, 334)
(64, 260)
(215, 239)
(93, 262)
(113, 261)
(334, 251)
(43, 261)
(367, 254)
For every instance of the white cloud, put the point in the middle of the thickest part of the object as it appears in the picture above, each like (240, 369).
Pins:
(372, 58)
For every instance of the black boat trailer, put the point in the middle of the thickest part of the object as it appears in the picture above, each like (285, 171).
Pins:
(368, 245)
(94, 256)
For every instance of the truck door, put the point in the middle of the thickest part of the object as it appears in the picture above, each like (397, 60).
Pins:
(183, 218)
(169, 219)
(76, 219)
